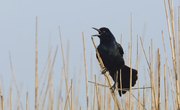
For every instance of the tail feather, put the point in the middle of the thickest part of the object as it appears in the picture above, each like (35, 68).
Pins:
(125, 78)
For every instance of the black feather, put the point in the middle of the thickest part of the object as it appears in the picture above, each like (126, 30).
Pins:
(112, 53)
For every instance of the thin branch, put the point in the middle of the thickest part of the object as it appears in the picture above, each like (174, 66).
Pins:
(125, 89)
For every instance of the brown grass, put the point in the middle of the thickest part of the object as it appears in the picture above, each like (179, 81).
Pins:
(36, 69)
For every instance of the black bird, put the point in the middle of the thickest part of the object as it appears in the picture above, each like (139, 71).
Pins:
(111, 53)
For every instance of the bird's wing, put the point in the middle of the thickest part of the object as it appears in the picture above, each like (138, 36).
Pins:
(120, 49)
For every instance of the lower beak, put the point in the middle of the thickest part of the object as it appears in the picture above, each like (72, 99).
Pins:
(96, 35)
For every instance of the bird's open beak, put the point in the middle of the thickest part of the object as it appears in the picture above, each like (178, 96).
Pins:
(96, 30)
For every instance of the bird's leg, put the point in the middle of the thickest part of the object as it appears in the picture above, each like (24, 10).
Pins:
(115, 82)
(104, 70)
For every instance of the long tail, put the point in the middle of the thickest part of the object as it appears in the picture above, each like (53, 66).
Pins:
(125, 79)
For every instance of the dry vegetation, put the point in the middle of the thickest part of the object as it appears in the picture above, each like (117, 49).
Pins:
(161, 92)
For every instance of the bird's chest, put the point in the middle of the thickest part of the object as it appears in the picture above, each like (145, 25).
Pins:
(109, 55)
(108, 51)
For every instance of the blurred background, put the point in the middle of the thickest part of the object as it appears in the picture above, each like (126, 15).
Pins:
(71, 20)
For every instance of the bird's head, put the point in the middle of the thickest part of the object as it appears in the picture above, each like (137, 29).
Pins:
(104, 34)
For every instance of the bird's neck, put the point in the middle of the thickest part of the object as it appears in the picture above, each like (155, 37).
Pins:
(107, 39)
(107, 42)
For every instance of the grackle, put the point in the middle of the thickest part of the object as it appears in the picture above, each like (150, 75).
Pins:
(111, 53)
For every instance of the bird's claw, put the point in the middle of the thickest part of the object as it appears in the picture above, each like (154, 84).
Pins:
(104, 70)
(113, 88)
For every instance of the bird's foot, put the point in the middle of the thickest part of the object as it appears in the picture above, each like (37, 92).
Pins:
(113, 88)
(104, 70)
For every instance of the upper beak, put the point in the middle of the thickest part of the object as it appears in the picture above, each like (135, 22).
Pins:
(96, 30)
